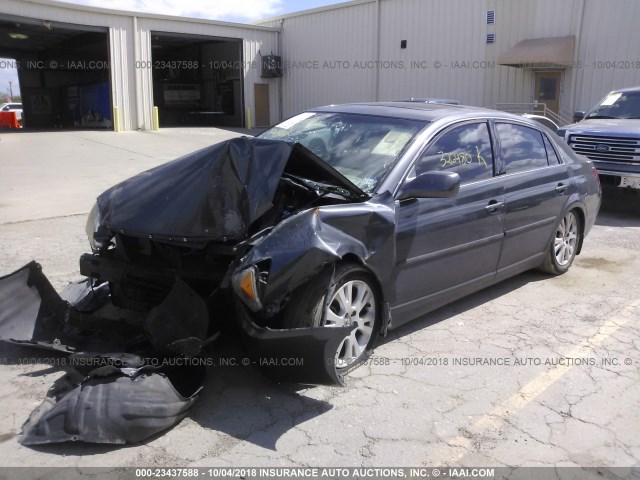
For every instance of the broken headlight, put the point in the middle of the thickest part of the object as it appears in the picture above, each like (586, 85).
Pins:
(94, 221)
(245, 284)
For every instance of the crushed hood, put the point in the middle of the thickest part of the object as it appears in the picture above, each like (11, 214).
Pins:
(213, 194)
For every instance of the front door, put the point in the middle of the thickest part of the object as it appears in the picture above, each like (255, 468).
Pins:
(448, 247)
(547, 90)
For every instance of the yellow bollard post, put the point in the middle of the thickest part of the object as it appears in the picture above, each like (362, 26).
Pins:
(156, 119)
(248, 118)
(116, 119)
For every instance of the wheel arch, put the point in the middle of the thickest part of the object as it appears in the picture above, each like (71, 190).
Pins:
(355, 259)
(580, 211)
(379, 285)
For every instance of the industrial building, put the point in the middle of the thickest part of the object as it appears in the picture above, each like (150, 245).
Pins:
(83, 67)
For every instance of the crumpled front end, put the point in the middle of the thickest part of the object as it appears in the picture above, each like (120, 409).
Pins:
(219, 240)
(167, 248)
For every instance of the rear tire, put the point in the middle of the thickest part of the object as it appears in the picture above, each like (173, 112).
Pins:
(564, 246)
(352, 298)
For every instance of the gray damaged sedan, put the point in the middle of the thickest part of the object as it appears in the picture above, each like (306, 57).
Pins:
(311, 240)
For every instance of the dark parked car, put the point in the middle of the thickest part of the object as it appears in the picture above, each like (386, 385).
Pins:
(328, 230)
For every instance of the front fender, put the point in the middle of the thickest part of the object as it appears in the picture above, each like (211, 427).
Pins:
(299, 248)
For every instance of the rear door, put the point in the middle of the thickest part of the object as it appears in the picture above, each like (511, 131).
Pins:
(536, 188)
(447, 247)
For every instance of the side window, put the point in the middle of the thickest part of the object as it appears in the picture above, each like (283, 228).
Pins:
(552, 156)
(521, 147)
(465, 150)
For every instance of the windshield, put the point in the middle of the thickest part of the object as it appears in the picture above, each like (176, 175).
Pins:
(618, 105)
(363, 148)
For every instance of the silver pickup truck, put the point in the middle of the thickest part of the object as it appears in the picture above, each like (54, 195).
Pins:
(610, 136)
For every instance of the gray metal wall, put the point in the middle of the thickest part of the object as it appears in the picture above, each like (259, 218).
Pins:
(316, 49)
(610, 48)
(453, 33)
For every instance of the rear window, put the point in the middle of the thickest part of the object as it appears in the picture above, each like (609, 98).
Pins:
(522, 148)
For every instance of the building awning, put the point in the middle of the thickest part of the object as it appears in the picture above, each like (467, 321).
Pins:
(551, 52)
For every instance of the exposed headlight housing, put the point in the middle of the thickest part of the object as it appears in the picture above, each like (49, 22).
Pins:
(245, 284)
(94, 221)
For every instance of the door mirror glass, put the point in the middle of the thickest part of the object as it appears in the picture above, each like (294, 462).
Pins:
(577, 116)
(431, 185)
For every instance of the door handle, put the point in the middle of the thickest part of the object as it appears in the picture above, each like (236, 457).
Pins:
(561, 188)
(493, 207)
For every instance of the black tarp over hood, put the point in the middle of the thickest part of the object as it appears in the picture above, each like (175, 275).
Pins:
(214, 194)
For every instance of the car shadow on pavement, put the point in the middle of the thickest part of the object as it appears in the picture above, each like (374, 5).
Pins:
(239, 401)
(467, 303)
(620, 208)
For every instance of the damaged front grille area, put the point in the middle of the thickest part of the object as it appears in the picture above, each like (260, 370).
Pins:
(141, 273)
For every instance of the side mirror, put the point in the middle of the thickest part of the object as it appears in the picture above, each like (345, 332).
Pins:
(577, 116)
(431, 185)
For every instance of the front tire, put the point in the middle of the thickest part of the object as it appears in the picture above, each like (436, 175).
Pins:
(564, 246)
(352, 299)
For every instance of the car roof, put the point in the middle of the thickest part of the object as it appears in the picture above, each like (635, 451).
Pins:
(429, 112)
(449, 101)
(627, 90)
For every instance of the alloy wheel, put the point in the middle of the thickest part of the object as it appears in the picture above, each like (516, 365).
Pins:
(352, 304)
(566, 239)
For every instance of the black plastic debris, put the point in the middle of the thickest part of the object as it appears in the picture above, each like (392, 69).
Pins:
(124, 406)
(32, 314)
(31, 311)
(106, 397)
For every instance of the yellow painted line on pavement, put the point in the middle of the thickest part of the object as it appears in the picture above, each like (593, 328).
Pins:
(497, 417)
